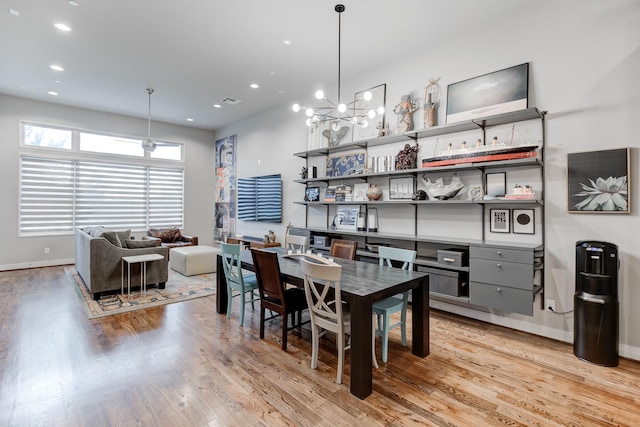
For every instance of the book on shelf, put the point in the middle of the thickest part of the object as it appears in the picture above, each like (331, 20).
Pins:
(343, 193)
(330, 194)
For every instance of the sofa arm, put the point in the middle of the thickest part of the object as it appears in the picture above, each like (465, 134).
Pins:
(192, 239)
(151, 238)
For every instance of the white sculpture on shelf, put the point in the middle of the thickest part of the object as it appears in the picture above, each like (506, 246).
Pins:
(438, 190)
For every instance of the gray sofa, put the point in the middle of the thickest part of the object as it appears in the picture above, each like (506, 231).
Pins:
(99, 255)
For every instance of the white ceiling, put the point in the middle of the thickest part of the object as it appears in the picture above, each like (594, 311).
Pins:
(196, 52)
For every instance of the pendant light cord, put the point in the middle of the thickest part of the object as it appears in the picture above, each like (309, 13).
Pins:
(339, 8)
(150, 91)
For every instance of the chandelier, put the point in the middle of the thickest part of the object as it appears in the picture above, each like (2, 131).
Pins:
(149, 144)
(340, 112)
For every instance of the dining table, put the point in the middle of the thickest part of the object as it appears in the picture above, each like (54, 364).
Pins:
(362, 284)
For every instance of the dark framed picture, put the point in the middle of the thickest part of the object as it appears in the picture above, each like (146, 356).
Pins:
(598, 181)
(402, 188)
(493, 93)
(312, 194)
(499, 220)
(496, 184)
(523, 221)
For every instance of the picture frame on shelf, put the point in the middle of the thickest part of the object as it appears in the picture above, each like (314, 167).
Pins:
(346, 217)
(598, 181)
(360, 106)
(312, 194)
(496, 184)
(493, 93)
(360, 192)
(524, 221)
(499, 220)
(346, 164)
(402, 188)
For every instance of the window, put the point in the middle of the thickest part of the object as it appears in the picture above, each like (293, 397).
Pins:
(57, 196)
(50, 137)
(260, 198)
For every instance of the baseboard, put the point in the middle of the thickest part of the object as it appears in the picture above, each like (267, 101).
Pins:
(26, 265)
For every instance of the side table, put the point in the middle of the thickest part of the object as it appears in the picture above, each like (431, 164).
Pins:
(142, 259)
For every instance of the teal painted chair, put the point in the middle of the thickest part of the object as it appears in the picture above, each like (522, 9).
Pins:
(385, 308)
(239, 283)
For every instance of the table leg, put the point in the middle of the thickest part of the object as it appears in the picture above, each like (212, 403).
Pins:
(361, 357)
(143, 285)
(221, 287)
(420, 319)
(122, 276)
(128, 280)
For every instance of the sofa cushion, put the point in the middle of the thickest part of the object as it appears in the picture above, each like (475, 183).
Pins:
(167, 235)
(136, 244)
(123, 235)
(111, 237)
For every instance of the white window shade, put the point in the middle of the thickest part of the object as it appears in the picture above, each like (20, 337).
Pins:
(57, 196)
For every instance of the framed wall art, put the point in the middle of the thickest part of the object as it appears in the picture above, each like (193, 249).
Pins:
(312, 194)
(344, 164)
(401, 188)
(361, 106)
(346, 217)
(493, 93)
(499, 221)
(496, 184)
(523, 221)
(598, 181)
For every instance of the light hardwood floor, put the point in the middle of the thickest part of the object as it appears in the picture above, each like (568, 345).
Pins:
(185, 365)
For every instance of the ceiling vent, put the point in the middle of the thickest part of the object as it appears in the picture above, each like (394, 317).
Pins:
(232, 101)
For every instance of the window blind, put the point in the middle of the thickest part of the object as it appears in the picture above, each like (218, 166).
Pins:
(57, 196)
(260, 198)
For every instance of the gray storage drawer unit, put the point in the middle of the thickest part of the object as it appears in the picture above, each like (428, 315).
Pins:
(503, 277)
(453, 283)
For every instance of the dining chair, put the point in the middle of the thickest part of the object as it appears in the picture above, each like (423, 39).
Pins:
(273, 294)
(239, 283)
(294, 242)
(327, 310)
(343, 249)
(383, 309)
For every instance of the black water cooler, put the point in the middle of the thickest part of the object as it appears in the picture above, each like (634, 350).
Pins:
(595, 328)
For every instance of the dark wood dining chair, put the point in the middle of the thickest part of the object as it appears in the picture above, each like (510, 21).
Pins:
(274, 295)
(343, 249)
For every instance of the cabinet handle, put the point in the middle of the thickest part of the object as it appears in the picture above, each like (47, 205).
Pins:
(499, 290)
(448, 259)
(499, 253)
(499, 265)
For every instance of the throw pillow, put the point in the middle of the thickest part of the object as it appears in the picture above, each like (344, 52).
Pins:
(137, 244)
(123, 235)
(167, 235)
(111, 237)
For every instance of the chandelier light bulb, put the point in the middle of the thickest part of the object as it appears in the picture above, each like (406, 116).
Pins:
(342, 108)
(308, 122)
(319, 94)
(309, 112)
(371, 114)
(380, 110)
(364, 123)
(367, 96)
(296, 107)
(335, 126)
(354, 120)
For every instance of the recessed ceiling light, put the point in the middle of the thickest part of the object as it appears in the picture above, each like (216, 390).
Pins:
(73, 3)
(55, 67)
(52, 93)
(57, 81)
(287, 42)
(14, 12)
(62, 27)
(254, 85)
(217, 106)
(189, 119)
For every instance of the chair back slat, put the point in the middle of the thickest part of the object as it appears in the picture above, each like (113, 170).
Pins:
(295, 242)
(325, 307)
(343, 249)
(268, 275)
(231, 262)
(388, 254)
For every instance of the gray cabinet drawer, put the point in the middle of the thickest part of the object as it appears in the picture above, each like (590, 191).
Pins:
(501, 254)
(502, 298)
(502, 273)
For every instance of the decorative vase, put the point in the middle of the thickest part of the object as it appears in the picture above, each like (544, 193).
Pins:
(374, 192)
(272, 236)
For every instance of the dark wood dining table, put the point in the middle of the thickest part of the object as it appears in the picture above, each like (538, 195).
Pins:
(362, 284)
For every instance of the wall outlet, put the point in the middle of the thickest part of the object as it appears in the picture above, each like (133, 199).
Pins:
(47, 250)
(551, 304)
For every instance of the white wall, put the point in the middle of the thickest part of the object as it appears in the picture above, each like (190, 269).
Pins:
(584, 65)
(23, 252)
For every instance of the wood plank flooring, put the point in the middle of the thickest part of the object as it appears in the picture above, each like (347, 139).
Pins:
(185, 365)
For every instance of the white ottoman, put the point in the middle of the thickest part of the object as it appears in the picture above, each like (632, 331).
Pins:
(192, 260)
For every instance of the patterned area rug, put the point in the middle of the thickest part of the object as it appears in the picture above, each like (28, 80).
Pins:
(179, 288)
